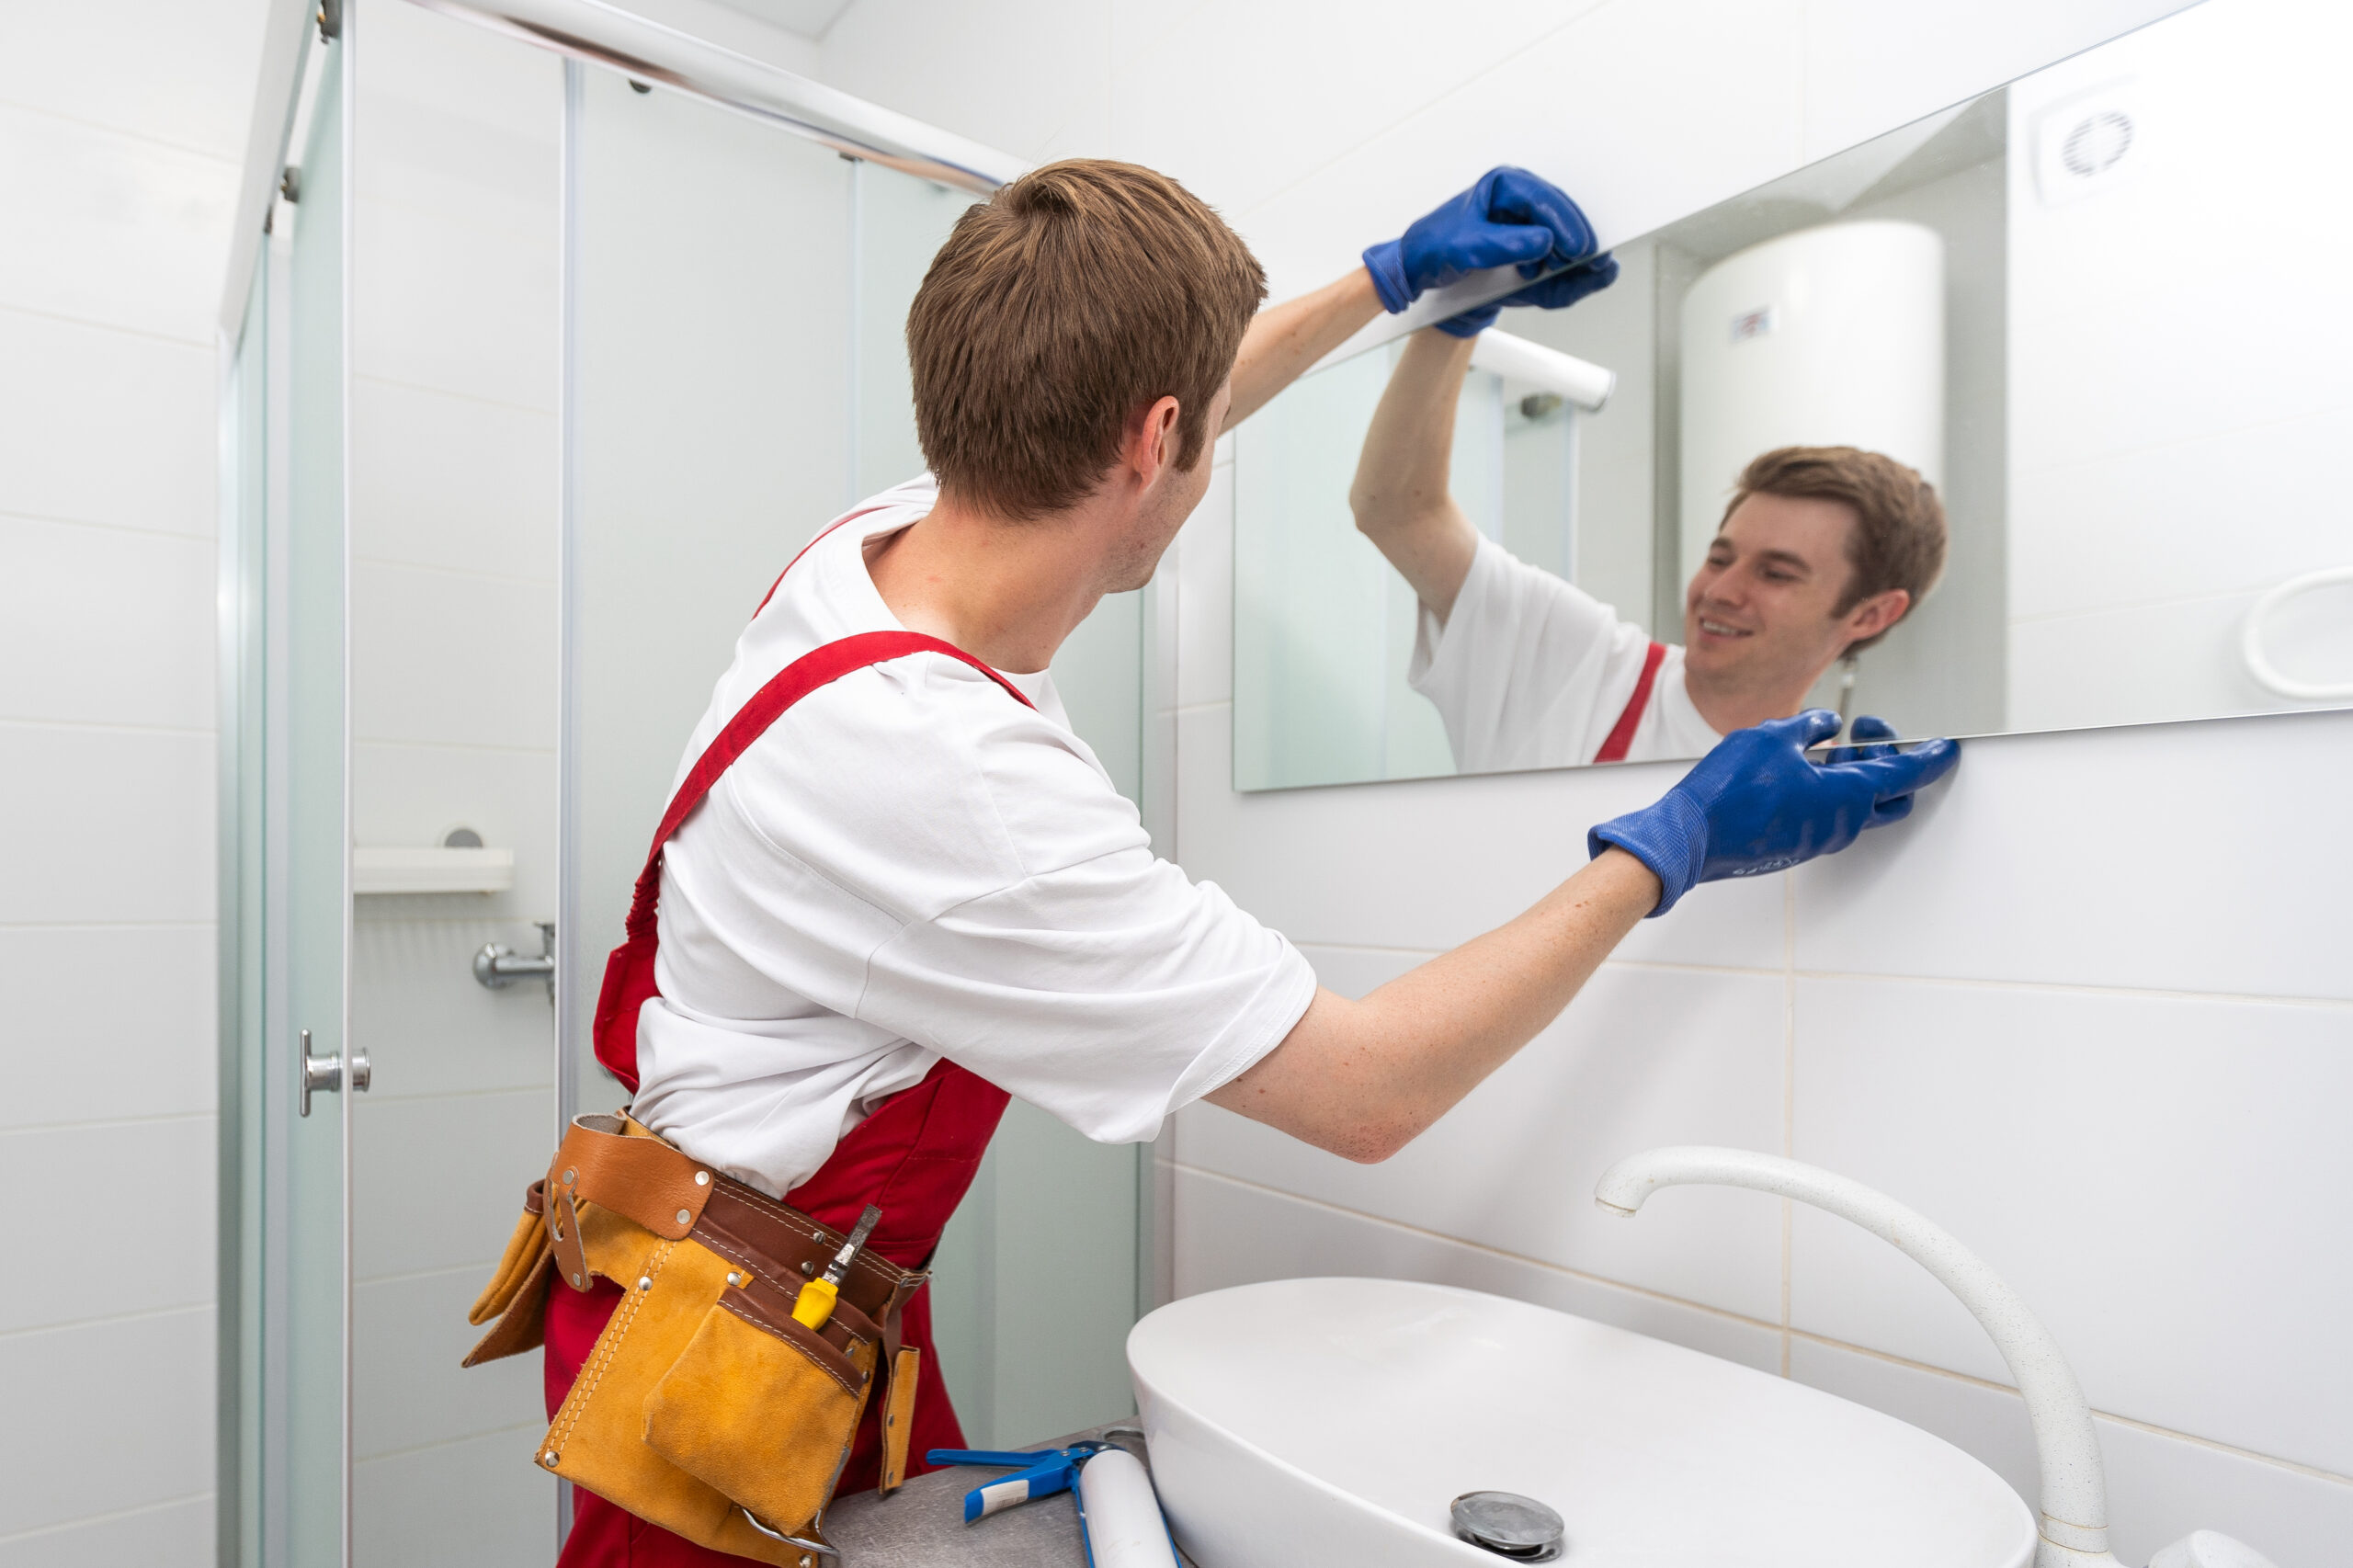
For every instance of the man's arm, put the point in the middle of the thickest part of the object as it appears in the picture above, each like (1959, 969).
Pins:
(1400, 494)
(1363, 1079)
(1285, 339)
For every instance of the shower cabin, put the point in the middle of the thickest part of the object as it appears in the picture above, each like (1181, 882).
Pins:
(552, 336)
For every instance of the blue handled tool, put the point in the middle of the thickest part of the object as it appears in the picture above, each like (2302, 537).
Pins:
(1038, 1473)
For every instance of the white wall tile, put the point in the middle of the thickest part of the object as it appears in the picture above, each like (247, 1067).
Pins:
(103, 426)
(2175, 857)
(154, 1178)
(113, 826)
(428, 1028)
(106, 626)
(165, 1535)
(131, 232)
(2177, 660)
(1619, 106)
(1870, 67)
(2160, 1486)
(1428, 864)
(1269, 119)
(1643, 1057)
(1205, 596)
(181, 73)
(1228, 1233)
(453, 658)
(439, 480)
(92, 1048)
(105, 1416)
(411, 795)
(440, 1179)
(1045, 89)
(479, 1502)
(2150, 1173)
(408, 1389)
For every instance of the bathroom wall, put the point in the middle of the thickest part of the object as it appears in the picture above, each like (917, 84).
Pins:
(120, 137)
(2164, 409)
(2089, 1008)
(453, 720)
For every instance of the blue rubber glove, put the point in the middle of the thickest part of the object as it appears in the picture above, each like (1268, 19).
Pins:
(1510, 217)
(1557, 292)
(1757, 803)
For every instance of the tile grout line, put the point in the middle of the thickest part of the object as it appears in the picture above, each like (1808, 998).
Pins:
(2151, 1427)
(229, 161)
(464, 573)
(210, 543)
(1744, 1320)
(1789, 1090)
(69, 1326)
(200, 344)
(106, 1123)
(102, 727)
(414, 1450)
(87, 1519)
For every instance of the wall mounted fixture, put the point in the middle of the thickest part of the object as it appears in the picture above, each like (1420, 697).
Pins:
(2258, 662)
(2073, 1521)
(497, 968)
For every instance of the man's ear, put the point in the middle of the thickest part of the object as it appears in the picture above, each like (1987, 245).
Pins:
(1876, 614)
(1152, 439)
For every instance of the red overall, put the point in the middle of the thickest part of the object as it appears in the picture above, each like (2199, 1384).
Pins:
(1621, 738)
(915, 1156)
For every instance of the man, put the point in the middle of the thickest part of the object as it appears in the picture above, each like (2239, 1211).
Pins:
(917, 888)
(1821, 552)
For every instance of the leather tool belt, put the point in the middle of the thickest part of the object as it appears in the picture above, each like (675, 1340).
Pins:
(704, 1407)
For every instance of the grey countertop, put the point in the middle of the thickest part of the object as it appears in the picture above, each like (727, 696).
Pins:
(922, 1525)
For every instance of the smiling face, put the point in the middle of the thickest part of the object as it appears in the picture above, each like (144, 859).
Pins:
(1763, 614)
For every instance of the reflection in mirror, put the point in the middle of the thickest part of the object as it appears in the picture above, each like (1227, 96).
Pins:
(2094, 311)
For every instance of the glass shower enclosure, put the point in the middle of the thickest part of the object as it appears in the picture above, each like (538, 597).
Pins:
(546, 361)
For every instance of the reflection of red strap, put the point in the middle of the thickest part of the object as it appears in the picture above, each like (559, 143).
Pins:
(1622, 737)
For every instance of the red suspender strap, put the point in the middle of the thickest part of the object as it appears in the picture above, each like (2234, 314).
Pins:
(629, 973)
(1621, 736)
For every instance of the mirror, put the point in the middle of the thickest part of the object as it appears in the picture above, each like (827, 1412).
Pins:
(2097, 309)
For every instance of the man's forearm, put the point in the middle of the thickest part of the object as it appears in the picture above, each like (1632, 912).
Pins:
(1285, 339)
(1401, 495)
(1362, 1079)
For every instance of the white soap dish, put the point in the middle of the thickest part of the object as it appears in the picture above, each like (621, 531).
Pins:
(470, 869)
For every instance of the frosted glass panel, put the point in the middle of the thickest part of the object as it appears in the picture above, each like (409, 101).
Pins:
(1323, 630)
(713, 340)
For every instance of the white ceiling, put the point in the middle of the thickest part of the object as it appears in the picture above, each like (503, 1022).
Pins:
(809, 19)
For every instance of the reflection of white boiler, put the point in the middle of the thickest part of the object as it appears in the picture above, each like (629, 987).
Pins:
(1831, 336)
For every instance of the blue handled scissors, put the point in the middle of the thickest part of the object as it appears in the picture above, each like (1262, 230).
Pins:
(1040, 1473)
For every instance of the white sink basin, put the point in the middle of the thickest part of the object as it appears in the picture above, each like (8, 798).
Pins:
(1333, 1421)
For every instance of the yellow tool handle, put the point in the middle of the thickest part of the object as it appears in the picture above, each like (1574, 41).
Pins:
(816, 1302)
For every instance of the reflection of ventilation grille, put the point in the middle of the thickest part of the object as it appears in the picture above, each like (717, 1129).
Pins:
(2090, 142)
(2096, 143)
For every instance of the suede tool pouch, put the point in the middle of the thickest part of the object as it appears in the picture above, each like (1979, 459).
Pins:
(756, 1403)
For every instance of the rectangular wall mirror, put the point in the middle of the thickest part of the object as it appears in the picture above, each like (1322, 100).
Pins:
(2098, 309)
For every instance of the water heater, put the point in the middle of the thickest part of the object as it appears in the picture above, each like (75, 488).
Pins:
(1831, 336)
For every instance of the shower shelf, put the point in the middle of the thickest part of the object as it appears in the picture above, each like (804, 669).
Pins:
(432, 870)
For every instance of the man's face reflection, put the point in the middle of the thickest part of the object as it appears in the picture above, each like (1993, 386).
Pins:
(1761, 612)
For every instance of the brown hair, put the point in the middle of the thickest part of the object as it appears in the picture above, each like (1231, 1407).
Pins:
(1898, 540)
(1070, 300)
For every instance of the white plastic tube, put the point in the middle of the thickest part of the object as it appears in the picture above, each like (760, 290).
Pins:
(1121, 1513)
(1579, 382)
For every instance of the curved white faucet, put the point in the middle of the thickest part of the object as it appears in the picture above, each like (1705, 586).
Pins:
(2073, 1530)
(2074, 1525)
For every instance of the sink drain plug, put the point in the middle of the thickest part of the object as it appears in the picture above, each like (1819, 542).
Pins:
(1508, 1525)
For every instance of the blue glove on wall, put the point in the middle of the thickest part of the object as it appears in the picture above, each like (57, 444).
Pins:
(1557, 292)
(1509, 217)
(1757, 803)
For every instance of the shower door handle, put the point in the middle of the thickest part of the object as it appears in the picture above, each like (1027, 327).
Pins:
(324, 1074)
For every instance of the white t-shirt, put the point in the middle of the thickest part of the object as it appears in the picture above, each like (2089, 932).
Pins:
(1531, 671)
(910, 865)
